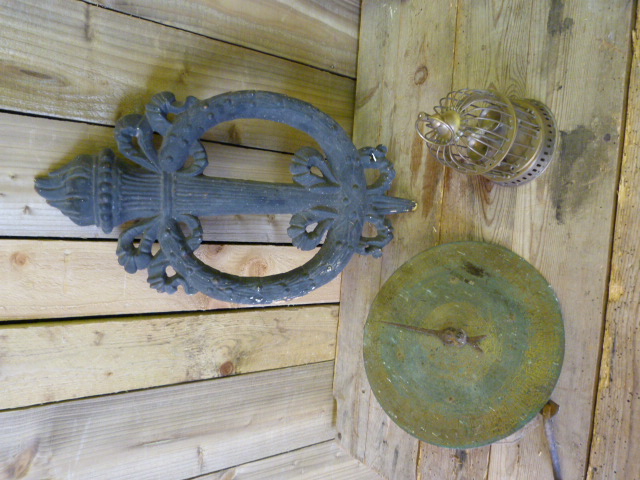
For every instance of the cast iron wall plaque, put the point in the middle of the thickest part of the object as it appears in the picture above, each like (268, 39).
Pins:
(164, 192)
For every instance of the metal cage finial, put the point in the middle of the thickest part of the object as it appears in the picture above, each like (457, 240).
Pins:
(510, 141)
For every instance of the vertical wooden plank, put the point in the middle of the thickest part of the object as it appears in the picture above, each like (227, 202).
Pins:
(490, 39)
(565, 226)
(616, 437)
(561, 222)
(526, 459)
(405, 62)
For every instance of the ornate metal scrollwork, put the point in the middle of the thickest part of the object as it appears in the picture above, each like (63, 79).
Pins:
(164, 191)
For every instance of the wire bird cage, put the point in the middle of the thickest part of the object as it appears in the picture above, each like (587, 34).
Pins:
(510, 141)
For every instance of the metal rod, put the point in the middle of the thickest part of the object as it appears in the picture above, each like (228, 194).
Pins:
(548, 411)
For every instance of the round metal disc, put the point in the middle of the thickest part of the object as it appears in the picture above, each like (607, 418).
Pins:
(442, 390)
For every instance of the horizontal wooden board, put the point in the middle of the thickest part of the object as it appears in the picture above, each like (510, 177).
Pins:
(561, 222)
(171, 432)
(59, 278)
(32, 146)
(318, 462)
(319, 33)
(49, 362)
(69, 59)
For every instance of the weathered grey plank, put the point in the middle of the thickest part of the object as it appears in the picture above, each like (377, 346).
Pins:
(172, 432)
(405, 63)
(562, 221)
(616, 437)
(61, 279)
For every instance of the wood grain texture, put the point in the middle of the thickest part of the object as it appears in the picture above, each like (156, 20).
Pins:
(490, 39)
(319, 462)
(526, 457)
(446, 463)
(69, 59)
(35, 146)
(403, 66)
(61, 279)
(85, 64)
(49, 362)
(172, 432)
(561, 222)
(616, 437)
(321, 33)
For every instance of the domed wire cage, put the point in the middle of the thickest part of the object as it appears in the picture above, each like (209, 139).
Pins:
(510, 141)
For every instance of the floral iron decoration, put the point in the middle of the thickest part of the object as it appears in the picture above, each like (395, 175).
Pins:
(165, 192)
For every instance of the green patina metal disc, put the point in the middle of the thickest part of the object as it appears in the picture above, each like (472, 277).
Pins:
(442, 390)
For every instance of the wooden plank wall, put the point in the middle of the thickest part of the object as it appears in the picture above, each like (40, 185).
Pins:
(574, 56)
(100, 376)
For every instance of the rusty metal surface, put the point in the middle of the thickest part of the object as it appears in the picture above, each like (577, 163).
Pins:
(464, 344)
